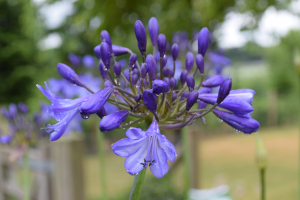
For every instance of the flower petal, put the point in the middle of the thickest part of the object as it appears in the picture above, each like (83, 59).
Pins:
(160, 167)
(126, 147)
(135, 133)
(168, 147)
(133, 163)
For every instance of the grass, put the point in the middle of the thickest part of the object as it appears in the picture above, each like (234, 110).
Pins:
(228, 159)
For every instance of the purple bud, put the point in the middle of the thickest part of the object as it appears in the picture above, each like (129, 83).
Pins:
(134, 79)
(201, 105)
(203, 41)
(190, 81)
(174, 96)
(5, 113)
(166, 79)
(184, 95)
(108, 83)
(183, 75)
(200, 63)
(102, 113)
(165, 60)
(132, 59)
(102, 70)
(118, 50)
(135, 71)
(160, 86)
(189, 61)
(204, 90)
(172, 83)
(96, 101)
(162, 44)
(105, 37)
(74, 59)
(140, 33)
(88, 61)
(174, 51)
(241, 123)
(144, 67)
(13, 110)
(145, 83)
(149, 98)
(105, 54)
(166, 71)
(5, 139)
(158, 76)
(69, 74)
(224, 90)
(117, 69)
(137, 98)
(126, 74)
(191, 100)
(23, 107)
(113, 121)
(151, 66)
(213, 81)
(97, 51)
(153, 30)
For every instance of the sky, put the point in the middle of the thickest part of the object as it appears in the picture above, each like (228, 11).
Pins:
(273, 25)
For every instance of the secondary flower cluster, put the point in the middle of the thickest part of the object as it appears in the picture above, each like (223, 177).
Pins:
(149, 92)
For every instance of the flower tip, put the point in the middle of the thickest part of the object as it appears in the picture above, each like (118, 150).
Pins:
(203, 41)
(140, 33)
(69, 74)
(224, 90)
(174, 51)
(162, 44)
(153, 30)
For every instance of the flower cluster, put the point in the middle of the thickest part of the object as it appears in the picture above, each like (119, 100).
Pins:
(148, 91)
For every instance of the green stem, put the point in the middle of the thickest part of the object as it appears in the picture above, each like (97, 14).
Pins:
(186, 160)
(26, 174)
(100, 139)
(136, 189)
(262, 184)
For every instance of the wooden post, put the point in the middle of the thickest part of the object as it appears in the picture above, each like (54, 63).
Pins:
(67, 178)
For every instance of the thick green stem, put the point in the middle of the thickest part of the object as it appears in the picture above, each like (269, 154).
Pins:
(137, 185)
(100, 139)
(262, 184)
(186, 160)
(26, 174)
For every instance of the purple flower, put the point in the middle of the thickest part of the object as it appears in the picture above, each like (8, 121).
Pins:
(191, 100)
(5, 139)
(13, 110)
(190, 81)
(69, 74)
(132, 59)
(200, 63)
(189, 61)
(118, 50)
(102, 70)
(183, 76)
(153, 30)
(224, 90)
(143, 148)
(5, 113)
(88, 61)
(174, 51)
(144, 70)
(74, 59)
(204, 90)
(238, 102)
(140, 33)
(105, 37)
(117, 69)
(23, 107)
(149, 98)
(213, 81)
(241, 123)
(219, 59)
(160, 86)
(172, 83)
(162, 44)
(113, 121)
(105, 54)
(203, 41)
(151, 66)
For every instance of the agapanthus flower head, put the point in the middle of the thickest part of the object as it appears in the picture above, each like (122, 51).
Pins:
(213, 81)
(140, 33)
(105, 37)
(105, 54)
(189, 61)
(162, 44)
(153, 28)
(174, 51)
(200, 63)
(88, 61)
(113, 121)
(145, 148)
(203, 41)
(69, 74)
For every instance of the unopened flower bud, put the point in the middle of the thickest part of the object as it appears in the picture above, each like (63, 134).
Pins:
(174, 51)
(191, 100)
(162, 44)
(183, 75)
(74, 59)
(105, 54)
(149, 98)
(88, 61)
(190, 81)
(102, 70)
(166, 79)
(140, 33)
(203, 41)
(200, 63)
(144, 68)
(213, 81)
(174, 96)
(201, 105)
(224, 90)
(137, 98)
(132, 59)
(117, 69)
(23, 107)
(189, 61)
(102, 113)
(166, 71)
(172, 83)
(151, 66)
(113, 121)
(134, 79)
(69, 74)
(105, 37)
(184, 95)
(118, 50)
(204, 90)
(108, 83)
(153, 30)
(160, 86)
(165, 60)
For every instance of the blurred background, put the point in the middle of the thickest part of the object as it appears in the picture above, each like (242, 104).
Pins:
(261, 37)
